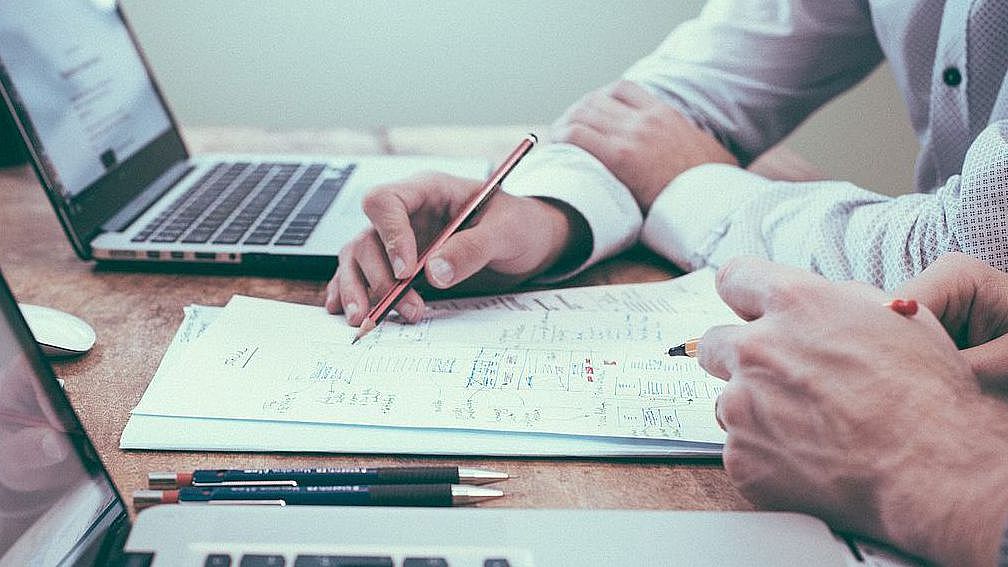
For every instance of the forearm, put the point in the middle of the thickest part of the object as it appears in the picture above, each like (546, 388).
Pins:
(712, 213)
(808, 51)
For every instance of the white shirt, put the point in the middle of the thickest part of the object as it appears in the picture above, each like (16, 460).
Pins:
(749, 71)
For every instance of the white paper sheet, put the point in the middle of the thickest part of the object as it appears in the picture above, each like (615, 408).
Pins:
(648, 317)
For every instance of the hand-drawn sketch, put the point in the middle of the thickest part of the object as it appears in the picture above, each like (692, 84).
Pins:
(570, 361)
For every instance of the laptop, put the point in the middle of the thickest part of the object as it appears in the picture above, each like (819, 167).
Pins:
(112, 161)
(58, 506)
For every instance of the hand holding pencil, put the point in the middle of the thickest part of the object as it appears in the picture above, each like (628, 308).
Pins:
(466, 214)
(512, 239)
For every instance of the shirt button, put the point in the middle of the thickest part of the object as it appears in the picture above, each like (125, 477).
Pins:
(952, 77)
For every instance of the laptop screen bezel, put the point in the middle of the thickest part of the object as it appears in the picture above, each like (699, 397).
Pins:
(108, 528)
(84, 215)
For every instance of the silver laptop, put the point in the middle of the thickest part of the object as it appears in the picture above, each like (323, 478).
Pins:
(59, 507)
(109, 155)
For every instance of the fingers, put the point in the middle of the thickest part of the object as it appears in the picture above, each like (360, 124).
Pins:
(596, 111)
(597, 124)
(401, 214)
(632, 94)
(957, 289)
(393, 207)
(362, 278)
(989, 362)
(717, 350)
(462, 255)
(389, 208)
(589, 139)
(751, 285)
(944, 284)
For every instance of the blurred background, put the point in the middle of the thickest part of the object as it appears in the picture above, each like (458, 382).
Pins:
(369, 63)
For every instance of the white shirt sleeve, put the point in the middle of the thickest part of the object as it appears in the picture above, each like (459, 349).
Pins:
(713, 212)
(749, 71)
(573, 176)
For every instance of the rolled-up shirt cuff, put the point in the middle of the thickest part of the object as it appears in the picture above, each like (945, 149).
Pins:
(690, 216)
(568, 174)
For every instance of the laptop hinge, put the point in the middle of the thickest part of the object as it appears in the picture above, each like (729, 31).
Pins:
(139, 205)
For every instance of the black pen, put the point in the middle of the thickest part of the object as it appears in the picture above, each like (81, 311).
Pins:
(378, 495)
(324, 476)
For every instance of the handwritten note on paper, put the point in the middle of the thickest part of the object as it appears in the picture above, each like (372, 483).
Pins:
(601, 373)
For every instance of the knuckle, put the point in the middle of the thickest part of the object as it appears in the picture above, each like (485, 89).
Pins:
(623, 87)
(738, 466)
(652, 120)
(576, 135)
(784, 295)
(333, 285)
(622, 154)
(750, 349)
(729, 269)
(375, 202)
(347, 283)
(727, 403)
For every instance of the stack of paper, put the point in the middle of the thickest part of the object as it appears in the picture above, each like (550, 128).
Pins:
(572, 372)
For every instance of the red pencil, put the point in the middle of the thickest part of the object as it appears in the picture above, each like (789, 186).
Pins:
(490, 186)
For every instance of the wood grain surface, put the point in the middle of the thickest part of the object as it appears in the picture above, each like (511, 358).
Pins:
(135, 315)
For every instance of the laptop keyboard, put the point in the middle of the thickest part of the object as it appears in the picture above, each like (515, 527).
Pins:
(223, 560)
(467, 558)
(246, 203)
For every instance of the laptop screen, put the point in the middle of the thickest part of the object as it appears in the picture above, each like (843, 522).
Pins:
(54, 494)
(90, 101)
(92, 118)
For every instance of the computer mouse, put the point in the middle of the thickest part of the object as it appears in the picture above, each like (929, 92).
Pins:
(59, 333)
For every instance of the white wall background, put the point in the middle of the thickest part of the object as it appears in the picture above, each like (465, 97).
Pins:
(364, 63)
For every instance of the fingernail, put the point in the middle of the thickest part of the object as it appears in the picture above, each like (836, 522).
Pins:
(399, 267)
(350, 310)
(440, 271)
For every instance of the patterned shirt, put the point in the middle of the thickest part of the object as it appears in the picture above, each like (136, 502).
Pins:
(749, 71)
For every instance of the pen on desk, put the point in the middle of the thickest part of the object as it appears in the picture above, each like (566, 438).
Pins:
(382, 308)
(376, 495)
(905, 307)
(324, 476)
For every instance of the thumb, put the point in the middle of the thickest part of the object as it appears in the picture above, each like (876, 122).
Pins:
(461, 256)
(989, 362)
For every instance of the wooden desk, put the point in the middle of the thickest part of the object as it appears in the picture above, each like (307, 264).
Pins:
(136, 314)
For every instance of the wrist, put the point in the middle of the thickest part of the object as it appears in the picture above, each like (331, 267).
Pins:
(953, 508)
(569, 236)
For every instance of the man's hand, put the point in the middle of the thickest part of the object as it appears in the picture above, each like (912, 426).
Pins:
(842, 408)
(642, 140)
(513, 239)
(971, 300)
